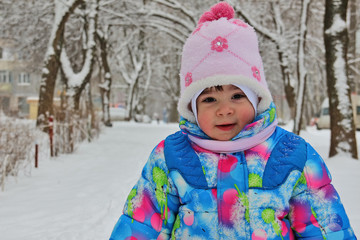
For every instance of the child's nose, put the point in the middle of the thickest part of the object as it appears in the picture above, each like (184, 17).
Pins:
(225, 109)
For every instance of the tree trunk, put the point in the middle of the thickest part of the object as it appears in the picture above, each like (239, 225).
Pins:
(89, 47)
(173, 113)
(301, 69)
(50, 70)
(47, 88)
(105, 86)
(288, 87)
(90, 112)
(342, 125)
(131, 93)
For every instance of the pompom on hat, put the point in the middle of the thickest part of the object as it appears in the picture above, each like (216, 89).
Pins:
(221, 51)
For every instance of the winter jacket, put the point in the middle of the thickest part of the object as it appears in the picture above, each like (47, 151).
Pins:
(279, 189)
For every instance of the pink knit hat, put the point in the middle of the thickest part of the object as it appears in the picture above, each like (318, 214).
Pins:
(221, 51)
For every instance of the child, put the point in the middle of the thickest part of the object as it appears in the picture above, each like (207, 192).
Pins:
(230, 173)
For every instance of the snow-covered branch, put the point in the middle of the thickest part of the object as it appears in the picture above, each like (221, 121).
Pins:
(75, 80)
(338, 26)
(62, 9)
(130, 75)
(189, 26)
(176, 6)
(149, 71)
(263, 30)
(159, 25)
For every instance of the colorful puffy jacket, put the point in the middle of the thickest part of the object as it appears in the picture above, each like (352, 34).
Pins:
(279, 189)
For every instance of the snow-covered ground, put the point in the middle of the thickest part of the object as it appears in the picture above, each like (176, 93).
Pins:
(80, 196)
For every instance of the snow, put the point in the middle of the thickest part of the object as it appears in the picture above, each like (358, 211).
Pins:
(75, 79)
(107, 75)
(338, 25)
(45, 71)
(81, 195)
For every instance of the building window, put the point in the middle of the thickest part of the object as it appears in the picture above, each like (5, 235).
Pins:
(5, 77)
(24, 79)
(10, 77)
(1, 53)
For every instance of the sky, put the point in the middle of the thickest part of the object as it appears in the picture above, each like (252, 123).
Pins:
(81, 195)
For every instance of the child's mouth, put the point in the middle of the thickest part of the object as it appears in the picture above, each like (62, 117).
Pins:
(226, 127)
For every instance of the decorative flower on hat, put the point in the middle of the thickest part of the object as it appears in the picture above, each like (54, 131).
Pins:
(256, 73)
(188, 79)
(219, 44)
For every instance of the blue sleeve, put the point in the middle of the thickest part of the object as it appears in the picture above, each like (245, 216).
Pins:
(152, 204)
(316, 211)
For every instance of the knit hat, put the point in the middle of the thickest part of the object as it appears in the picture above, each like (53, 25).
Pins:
(221, 51)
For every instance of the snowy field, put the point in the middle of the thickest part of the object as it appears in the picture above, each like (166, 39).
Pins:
(80, 196)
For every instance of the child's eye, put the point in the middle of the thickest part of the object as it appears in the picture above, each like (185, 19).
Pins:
(209, 100)
(238, 96)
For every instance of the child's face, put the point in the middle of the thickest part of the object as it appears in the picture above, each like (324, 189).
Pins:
(222, 114)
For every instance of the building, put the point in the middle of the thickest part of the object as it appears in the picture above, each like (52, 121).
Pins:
(17, 82)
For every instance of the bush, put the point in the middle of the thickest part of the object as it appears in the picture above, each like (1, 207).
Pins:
(18, 138)
(17, 146)
(69, 130)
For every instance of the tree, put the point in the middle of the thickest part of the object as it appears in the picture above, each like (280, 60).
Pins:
(353, 70)
(63, 9)
(105, 79)
(301, 69)
(131, 71)
(343, 138)
(165, 25)
(76, 82)
(29, 31)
